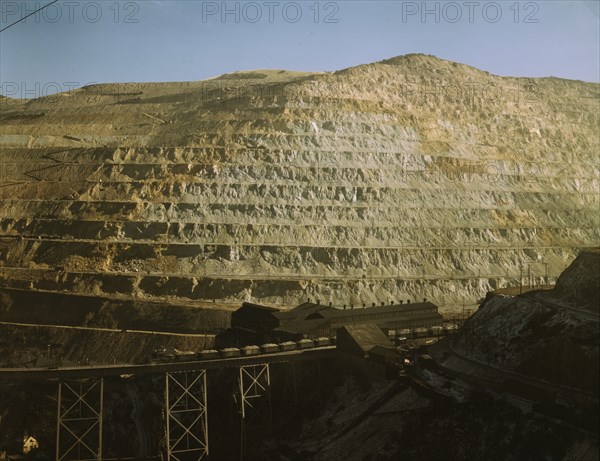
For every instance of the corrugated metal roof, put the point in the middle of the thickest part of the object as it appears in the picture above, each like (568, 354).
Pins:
(303, 326)
(394, 308)
(258, 306)
(412, 319)
(366, 336)
(301, 311)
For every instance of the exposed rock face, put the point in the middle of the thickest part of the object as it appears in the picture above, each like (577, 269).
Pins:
(413, 177)
(550, 335)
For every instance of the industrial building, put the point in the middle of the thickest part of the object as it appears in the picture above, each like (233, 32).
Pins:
(255, 319)
(313, 320)
(366, 348)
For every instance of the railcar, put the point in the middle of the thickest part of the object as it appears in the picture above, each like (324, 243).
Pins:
(288, 346)
(305, 343)
(420, 332)
(185, 356)
(269, 348)
(323, 341)
(230, 352)
(161, 356)
(436, 330)
(250, 350)
(208, 354)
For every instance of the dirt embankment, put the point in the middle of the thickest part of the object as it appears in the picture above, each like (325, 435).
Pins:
(67, 309)
(46, 346)
(84, 318)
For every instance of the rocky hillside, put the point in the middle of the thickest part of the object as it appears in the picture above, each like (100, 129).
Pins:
(408, 178)
(579, 284)
(363, 424)
(548, 335)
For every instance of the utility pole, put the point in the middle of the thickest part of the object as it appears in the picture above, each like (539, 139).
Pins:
(400, 254)
(521, 279)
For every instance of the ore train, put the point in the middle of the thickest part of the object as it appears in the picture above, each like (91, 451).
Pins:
(270, 348)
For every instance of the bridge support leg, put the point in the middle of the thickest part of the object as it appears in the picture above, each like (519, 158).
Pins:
(255, 383)
(186, 416)
(79, 421)
(304, 376)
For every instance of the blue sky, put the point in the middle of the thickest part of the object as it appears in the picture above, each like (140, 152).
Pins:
(73, 43)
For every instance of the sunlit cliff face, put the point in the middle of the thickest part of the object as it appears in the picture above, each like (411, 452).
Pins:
(406, 179)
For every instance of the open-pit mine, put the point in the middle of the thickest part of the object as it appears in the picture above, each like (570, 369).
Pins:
(409, 178)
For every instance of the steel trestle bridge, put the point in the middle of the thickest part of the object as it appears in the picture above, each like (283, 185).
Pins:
(81, 398)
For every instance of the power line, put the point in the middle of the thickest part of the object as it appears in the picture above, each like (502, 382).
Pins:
(30, 14)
